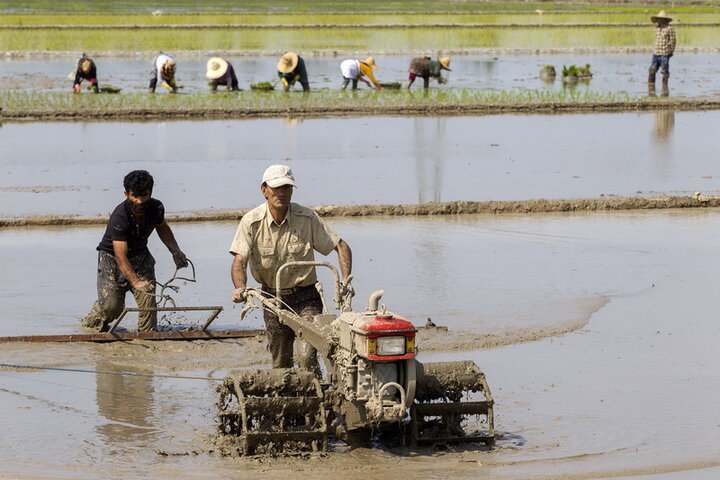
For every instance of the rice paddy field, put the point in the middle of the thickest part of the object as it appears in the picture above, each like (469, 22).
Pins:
(331, 6)
(390, 19)
(609, 343)
(352, 38)
(257, 30)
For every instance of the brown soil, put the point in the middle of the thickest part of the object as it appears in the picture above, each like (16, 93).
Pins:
(676, 104)
(432, 208)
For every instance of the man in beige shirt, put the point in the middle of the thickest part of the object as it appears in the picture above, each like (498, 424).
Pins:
(271, 235)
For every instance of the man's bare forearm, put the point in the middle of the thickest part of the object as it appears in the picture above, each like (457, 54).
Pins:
(167, 237)
(238, 271)
(344, 259)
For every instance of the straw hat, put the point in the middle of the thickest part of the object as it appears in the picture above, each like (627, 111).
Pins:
(216, 68)
(445, 63)
(662, 16)
(287, 62)
(370, 62)
(85, 66)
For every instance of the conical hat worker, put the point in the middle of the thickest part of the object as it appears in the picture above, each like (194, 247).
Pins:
(221, 72)
(354, 70)
(291, 69)
(85, 70)
(426, 68)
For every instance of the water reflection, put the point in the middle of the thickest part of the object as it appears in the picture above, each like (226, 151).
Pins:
(663, 124)
(126, 401)
(664, 92)
(429, 157)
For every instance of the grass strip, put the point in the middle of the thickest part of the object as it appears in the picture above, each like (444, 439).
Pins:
(28, 101)
(44, 106)
(345, 39)
(366, 20)
(328, 6)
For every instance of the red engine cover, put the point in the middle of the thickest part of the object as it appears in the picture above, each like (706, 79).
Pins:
(385, 325)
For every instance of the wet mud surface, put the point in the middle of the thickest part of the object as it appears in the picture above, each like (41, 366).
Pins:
(589, 327)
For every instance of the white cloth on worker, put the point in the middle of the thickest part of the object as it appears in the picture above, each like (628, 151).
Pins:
(350, 69)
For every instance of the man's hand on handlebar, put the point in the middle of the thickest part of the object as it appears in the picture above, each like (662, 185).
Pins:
(239, 295)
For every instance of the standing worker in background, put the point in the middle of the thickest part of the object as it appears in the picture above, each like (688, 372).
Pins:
(163, 71)
(271, 235)
(664, 47)
(221, 72)
(291, 68)
(124, 261)
(356, 70)
(425, 67)
(85, 70)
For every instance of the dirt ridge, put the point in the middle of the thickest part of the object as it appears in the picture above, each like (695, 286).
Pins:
(676, 104)
(604, 204)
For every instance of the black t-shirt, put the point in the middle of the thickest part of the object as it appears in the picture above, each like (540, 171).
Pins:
(122, 227)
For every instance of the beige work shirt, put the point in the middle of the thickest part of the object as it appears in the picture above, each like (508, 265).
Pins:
(268, 245)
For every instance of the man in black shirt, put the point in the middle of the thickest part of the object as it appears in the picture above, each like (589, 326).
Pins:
(124, 261)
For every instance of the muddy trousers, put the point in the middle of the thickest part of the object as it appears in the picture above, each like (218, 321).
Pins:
(306, 302)
(112, 286)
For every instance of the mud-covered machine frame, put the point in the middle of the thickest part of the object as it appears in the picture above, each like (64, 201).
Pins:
(373, 383)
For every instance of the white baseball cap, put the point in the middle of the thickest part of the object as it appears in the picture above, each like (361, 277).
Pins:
(278, 175)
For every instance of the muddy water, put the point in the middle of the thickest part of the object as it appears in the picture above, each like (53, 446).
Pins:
(692, 74)
(630, 390)
(216, 165)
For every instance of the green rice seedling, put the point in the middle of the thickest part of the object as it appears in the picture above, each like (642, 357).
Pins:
(326, 100)
(262, 86)
(365, 19)
(342, 39)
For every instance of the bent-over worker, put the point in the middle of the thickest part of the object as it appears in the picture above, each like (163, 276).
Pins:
(124, 261)
(354, 70)
(163, 72)
(425, 67)
(86, 70)
(291, 69)
(221, 72)
(271, 235)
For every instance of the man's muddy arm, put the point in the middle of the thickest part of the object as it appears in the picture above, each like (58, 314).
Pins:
(344, 259)
(238, 273)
